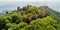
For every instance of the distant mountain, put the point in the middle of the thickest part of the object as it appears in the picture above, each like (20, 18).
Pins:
(52, 13)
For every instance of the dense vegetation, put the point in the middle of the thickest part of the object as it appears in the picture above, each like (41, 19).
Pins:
(31, 18)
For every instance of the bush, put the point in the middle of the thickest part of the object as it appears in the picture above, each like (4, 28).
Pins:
(22, 25)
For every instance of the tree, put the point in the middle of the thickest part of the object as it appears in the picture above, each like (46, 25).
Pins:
(22, 25)
(6, 12)
(14, 18)
(18, 8)
(2, 23)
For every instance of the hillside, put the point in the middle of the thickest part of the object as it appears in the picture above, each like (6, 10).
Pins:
(31, 18)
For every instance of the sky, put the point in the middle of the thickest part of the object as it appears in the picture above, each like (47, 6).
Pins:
(55, 4)
(46, 1)
(29, 0)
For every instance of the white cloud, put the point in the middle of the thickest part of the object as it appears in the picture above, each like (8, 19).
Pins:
(8, 1)
(29, 0)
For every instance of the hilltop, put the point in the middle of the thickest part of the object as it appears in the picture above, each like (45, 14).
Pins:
(31, 18)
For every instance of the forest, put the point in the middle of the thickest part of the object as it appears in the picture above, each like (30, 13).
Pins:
(31, 17)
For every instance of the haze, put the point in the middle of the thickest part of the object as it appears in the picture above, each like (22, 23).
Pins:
(13, 4)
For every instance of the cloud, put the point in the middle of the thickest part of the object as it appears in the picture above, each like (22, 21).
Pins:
(43, 1)
(29, 0)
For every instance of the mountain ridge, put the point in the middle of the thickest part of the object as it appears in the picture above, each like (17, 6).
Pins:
(31, 18)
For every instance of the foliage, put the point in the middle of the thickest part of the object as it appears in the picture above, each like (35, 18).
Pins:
(31, 18)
